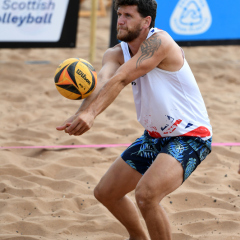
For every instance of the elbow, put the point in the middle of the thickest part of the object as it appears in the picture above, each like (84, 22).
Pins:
(122, 79)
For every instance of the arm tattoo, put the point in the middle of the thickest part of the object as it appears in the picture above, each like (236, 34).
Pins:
(148, 48)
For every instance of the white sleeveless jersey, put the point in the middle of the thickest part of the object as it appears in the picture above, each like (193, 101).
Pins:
(169, 103)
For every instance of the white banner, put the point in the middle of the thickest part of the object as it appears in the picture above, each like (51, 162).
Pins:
(32, 20)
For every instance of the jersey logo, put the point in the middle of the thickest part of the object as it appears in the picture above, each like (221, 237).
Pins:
(173, 127)
(189, 125)
(191, 17)
(133, 83)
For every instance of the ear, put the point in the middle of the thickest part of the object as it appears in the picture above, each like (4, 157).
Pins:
(147, 21)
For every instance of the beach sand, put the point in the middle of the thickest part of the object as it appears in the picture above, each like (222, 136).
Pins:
(47, 194)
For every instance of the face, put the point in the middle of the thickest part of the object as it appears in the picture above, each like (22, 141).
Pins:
(129, 25)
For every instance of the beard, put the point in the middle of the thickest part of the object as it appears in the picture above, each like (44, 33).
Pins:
(128, 35)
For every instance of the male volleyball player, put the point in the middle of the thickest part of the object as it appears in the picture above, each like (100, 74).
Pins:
(177, 136)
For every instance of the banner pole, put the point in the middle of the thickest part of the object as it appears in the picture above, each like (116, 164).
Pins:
(93, 30)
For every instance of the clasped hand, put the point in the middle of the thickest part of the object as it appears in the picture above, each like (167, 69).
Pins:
(77, 124)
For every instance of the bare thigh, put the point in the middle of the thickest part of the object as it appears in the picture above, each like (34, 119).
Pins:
(119, 180)
(163, 177)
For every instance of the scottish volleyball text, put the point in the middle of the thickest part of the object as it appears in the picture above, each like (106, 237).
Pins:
(19, 13)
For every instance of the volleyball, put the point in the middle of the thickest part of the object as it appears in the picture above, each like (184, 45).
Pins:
(75, 78)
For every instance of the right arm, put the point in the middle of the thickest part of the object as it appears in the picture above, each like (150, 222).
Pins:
(110, 64)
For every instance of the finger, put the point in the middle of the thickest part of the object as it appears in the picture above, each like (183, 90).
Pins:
(72, 126)
(82, 131)
(63, 127)
(60, 128)
(79, 130)
(76, 129)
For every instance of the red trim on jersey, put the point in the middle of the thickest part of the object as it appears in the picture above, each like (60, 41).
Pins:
(198, 132)
(154, 134)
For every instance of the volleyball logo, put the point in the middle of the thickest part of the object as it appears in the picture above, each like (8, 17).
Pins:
(191, 17)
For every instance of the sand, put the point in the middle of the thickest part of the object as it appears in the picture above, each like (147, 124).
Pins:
(47, 194)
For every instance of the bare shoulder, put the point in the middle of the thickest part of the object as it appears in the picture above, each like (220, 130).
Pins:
(165, 40)
(114, 54)
(173, 56)
(164, 34)
(158, 48)
(159, 44)
(111, 61)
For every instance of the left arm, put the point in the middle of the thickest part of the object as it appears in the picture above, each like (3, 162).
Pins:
(151, 52)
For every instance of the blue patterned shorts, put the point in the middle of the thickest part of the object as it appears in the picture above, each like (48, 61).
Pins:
(189, 151)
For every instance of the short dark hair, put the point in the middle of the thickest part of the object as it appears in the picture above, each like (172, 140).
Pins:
(145, 8)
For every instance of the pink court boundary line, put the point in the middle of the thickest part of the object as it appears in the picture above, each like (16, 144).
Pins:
(69, 146)
(96, 146)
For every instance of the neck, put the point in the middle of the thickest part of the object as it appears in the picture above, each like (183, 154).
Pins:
(135, 44)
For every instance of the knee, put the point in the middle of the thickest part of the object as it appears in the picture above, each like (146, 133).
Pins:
(146, 198)
(102, 194)
(99, 194)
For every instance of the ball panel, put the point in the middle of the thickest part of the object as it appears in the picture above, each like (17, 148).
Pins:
(93, 85)
(95, 76)
(87, 64)
(65, 79)
(66, 63)
(74, 96)
(83, 77)
(71, 70)
(57, 75)
(70, 88)
(70, 93)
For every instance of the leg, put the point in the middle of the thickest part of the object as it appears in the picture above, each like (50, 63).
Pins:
(164, 176)
(119, 180)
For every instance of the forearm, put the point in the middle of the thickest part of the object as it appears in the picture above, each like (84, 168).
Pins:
(83, 121)
(89, 99)
(106, 95)
(105, 74)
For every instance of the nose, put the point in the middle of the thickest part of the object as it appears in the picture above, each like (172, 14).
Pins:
(120, 20)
